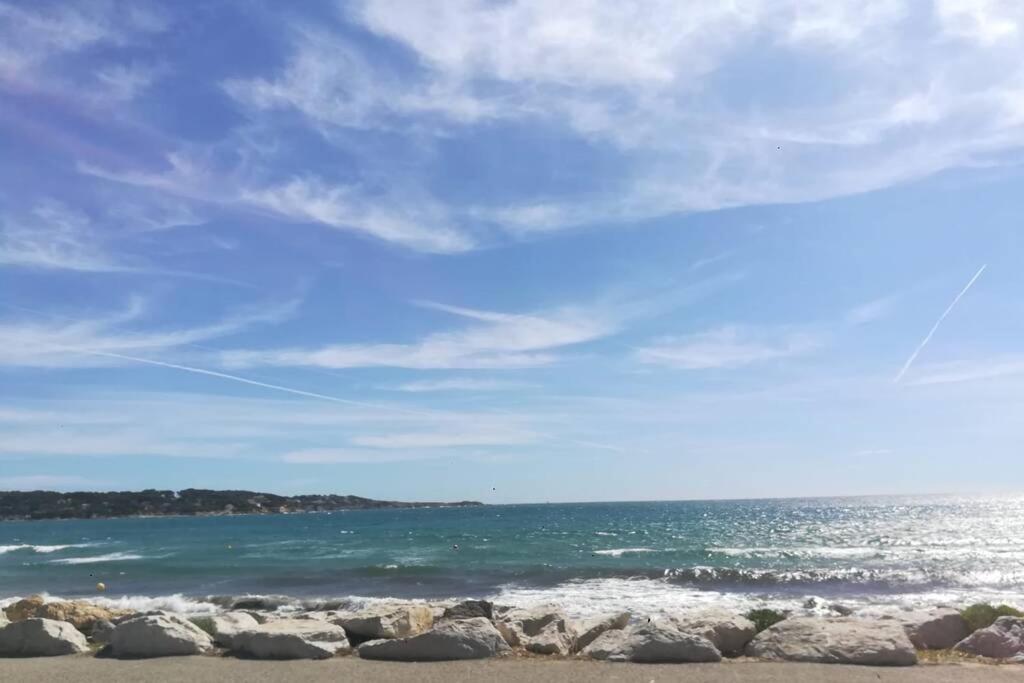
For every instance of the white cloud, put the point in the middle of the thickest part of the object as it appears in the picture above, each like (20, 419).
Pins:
(468, 384)
(124, 82)
(334, 456)
(502, 340)
(32, 37)
(55, 238)
(423, 227)
(896, 90)
(445, 439)
(728, 347)
(871, 310)
(969, 371)
(403, 218)
(60, 342)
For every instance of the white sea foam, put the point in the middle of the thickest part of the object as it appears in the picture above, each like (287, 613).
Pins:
(619, 552)
(801, 552)
(45, 549)
(109, 557)
(653, 597)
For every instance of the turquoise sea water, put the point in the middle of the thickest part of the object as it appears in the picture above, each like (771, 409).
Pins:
(875, 551)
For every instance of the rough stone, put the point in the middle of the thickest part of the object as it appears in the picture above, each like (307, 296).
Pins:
(41, 638)
(835, 641)
(1004, 639)
(588, 630)
(728, 632)
(469, 609)
(935, 630)
(227, 626)
(469, 638)
(291, 639)
(541, 631)
(653, 642)
(80, 614)
(608, 644)
(387, 621)
(158, 635)
(101, 631)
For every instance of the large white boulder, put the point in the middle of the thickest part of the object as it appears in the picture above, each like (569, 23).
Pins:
(588, 630)
(291, 639)
(469, 638)
(729, 632)
(41, 638)
(938, 629)
(541, 631)
(227, 626)
(1004, 639)
(653, 642)
(158, 635)
(835, 641)
(398, 620)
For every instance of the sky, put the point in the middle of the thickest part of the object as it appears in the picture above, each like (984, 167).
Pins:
(513, 250)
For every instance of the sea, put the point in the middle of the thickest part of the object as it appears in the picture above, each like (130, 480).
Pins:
(868, 554)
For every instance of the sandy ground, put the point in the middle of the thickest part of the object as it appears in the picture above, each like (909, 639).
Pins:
(83, 669)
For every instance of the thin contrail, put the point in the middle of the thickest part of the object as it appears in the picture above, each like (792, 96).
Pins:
(308, 394)
(935, 327)
(252, 382)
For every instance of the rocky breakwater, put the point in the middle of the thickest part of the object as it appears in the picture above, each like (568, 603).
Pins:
(476, 629)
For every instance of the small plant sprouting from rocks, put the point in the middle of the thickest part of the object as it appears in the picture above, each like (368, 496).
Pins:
(764, 617)
(982, 615)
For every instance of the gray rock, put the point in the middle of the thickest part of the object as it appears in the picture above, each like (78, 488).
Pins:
(471, 638)
(728, 632)
(541, 631)
(158, 635)
(469, 609)
(101, 631)
(654, 642)
(227, 626)
(1002, 640)
(588, 630)
(608, 644)
(835, 641)
(935, 630)
(291, 639)
(389, 620)
(41, 638)
(840, 609)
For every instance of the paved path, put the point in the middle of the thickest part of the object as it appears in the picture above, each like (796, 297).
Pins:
(86, 669)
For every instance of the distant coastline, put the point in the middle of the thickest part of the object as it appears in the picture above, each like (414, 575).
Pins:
(42, 505)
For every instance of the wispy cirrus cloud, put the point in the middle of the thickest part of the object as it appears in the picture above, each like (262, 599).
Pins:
(727, 347)
(468, 384)
(54, 342)
(969, 371)
(915, 92)
(52, 237)
(407, 219)
(499, 340)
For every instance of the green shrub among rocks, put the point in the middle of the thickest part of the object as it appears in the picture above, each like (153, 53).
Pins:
(764, 617)
(983, 615)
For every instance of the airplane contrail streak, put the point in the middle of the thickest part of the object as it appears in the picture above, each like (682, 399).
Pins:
(308, 394)
(935, 327)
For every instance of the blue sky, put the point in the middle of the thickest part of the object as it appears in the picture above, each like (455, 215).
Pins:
(512, 251)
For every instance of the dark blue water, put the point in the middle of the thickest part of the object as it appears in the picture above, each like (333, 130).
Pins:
(891, 549)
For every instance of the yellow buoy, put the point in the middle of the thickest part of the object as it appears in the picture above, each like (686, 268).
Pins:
(101, 586)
